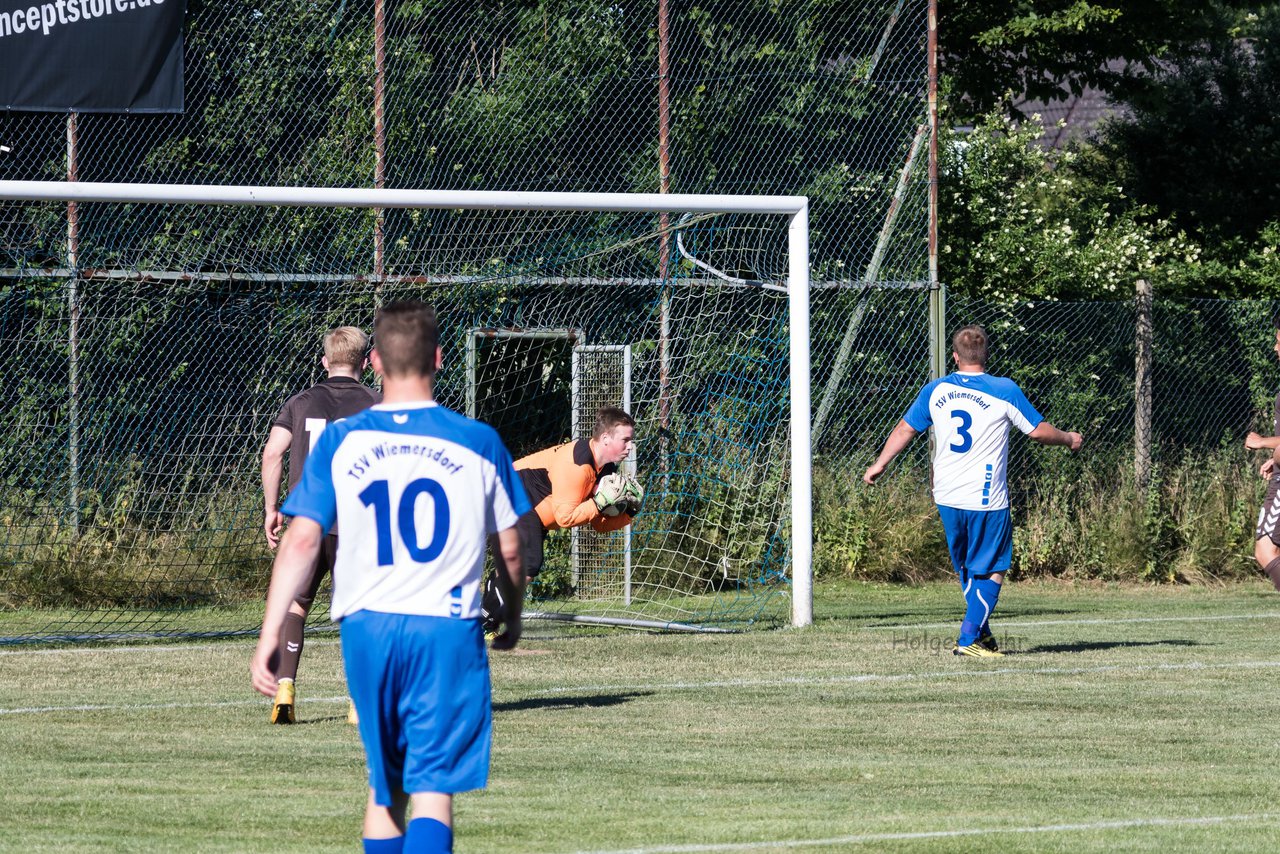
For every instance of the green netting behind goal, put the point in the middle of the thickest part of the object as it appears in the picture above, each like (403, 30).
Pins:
(139, 392)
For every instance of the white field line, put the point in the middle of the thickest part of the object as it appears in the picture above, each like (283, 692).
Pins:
(182, 647)
(134, 707)
(1101, 621)
(236, 644)
(865, 678)
(794, 681)
(862, 839)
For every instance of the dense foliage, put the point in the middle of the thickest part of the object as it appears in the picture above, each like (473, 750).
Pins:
(1018, 222)
(1179, 187)
(1048, 50)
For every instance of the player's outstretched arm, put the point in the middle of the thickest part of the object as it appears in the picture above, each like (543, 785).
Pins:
(894, 445)
(1046, 434)
(510, 577)
(272, 467)
(1257, 442)
(289, 576)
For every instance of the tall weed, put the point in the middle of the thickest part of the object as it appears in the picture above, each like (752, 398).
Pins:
(1193, 524)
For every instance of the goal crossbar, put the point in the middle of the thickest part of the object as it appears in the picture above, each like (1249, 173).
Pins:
(356, 197)
(795, 208)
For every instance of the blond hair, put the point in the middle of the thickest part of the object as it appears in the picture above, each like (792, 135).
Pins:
(346, 346)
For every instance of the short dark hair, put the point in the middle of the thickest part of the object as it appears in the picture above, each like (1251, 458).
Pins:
(608, 417)
(406, 337)
(971, 344)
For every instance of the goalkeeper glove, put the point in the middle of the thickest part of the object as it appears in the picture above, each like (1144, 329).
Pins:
(609, 491)
(632, 496)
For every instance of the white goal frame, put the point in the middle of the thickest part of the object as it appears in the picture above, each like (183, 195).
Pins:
(581, 538)
(795, 208)
(584, 537)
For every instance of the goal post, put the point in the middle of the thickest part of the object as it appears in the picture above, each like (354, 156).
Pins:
(601, 377)
(785, 544)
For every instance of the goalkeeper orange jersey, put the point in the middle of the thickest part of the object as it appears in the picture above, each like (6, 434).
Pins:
(561, 481)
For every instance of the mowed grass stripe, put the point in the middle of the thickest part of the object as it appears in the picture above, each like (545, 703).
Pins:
(730, 684)
(193, 646)
(1002, 624)
(868, 838)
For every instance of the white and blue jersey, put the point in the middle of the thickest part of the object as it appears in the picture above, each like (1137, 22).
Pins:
(970, 414)
(418, 489)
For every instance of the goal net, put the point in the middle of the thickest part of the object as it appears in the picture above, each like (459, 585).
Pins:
(144, 374)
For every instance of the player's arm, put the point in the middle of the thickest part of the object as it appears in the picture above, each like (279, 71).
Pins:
(1257, 442)
(894, 445)
(605, 524)
(571, 498)
(510, 577)
(1046, 434)
(1268, 468)
(290, 575)
(272, 469)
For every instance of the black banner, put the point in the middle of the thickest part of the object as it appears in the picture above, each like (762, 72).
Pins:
(91, 56)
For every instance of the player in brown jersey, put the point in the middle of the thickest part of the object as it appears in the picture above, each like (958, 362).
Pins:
(1266, 546)
(572, 484)
(295, 430)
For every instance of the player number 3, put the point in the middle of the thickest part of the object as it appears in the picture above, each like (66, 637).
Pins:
(378, 496)
(962, 430)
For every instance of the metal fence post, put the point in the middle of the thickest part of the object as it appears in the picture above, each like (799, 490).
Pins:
(73, 328)
(937, 293)
(1142, 389)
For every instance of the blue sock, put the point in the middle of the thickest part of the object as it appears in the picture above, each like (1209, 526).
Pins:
(980, 597)
(394, 845)
(428, 836)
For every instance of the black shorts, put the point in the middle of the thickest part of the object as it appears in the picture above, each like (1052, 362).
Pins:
(529, 526)
(1269, 516)
(323, 566)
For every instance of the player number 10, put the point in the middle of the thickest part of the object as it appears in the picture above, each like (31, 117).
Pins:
(378, 496)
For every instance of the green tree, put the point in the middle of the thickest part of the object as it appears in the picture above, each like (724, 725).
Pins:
(1018, 224)
(1051, 49)
(1202, 145)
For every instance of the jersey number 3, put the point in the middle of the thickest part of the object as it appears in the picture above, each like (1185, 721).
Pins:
(378, 496)
(962, 431)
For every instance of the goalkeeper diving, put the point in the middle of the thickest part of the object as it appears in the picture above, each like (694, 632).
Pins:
(571, 484)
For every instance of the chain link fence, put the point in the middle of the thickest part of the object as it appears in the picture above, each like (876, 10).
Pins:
(148, 346)
(1206, 370)
(1163, 490)
(164, 338)
(813, 98)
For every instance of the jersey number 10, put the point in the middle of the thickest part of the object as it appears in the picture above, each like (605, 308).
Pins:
(378, 496)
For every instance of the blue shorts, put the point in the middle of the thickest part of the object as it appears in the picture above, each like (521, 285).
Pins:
(421, 688)
(980, 541)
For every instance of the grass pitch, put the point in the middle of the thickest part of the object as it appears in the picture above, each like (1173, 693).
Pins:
(1126, 719)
